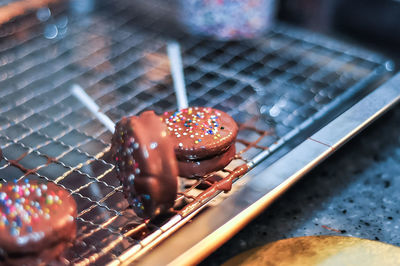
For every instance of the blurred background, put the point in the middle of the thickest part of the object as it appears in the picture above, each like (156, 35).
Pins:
(374, 23)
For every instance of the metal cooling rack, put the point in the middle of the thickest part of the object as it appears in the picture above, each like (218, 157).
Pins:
(274, 87)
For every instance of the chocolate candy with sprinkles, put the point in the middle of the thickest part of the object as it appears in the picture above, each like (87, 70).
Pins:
(204, 139)
(37, 221)
(145, 162)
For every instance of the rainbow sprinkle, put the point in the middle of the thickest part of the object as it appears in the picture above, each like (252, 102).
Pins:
(196, 123)
(24, 204)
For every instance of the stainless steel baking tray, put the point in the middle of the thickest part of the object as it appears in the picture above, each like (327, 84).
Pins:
(292, 92)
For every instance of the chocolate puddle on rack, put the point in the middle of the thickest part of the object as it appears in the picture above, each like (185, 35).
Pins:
(16, 163)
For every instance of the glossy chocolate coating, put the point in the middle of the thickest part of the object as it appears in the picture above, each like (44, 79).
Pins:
(48, 257)
(35, 217)
(199, 168)
(146, 163)
(200, 132)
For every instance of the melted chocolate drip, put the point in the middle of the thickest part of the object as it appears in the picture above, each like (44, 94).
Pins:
(222, 185)
(136, 231)
(253, 144)
(27, 171)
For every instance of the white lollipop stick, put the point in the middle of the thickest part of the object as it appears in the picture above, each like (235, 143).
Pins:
(85, 99)
(175, 60)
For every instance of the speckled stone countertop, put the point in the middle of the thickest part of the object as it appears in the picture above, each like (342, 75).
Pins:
(355, 192)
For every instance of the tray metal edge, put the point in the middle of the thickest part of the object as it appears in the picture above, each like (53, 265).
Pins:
(257, 193)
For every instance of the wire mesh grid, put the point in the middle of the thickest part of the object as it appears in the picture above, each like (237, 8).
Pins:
(271, 86)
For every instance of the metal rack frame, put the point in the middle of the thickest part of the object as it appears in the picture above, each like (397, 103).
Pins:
(278, 88)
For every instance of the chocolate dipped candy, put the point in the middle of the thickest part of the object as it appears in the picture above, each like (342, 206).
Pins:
(203, 138)
(37, 221)
(145, 162)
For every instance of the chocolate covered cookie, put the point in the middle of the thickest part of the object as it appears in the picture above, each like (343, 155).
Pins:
(37, 221)
(203, 138)
(193, 168)
(145, 162)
